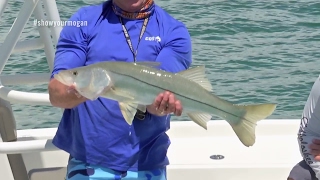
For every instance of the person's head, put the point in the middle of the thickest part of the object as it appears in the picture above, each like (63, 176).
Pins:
(130, 5)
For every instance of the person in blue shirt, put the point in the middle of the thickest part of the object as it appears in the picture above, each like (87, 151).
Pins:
(100, 142)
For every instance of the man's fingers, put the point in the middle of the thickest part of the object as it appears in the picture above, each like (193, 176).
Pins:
(315, 152)
(164, 102)
(316, 141)
(158, 100)
(317, 158)
(314, 147)
(178, 107)
(171, 104)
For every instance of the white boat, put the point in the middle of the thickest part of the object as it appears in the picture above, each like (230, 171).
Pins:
(215, 154)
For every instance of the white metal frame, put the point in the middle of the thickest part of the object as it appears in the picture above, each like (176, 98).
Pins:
(47, 41)
(20, 147)
(11, 45)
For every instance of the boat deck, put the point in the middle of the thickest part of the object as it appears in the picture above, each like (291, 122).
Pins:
(272, 156)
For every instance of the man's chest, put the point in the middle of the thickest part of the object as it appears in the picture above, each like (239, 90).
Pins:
(109, 42)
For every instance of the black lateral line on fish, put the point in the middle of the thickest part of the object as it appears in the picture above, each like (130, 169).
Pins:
(180, 95)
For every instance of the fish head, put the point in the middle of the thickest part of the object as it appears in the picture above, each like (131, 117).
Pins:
(90, 82)
(71, 77)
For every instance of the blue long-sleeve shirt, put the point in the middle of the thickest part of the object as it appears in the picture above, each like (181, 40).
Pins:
(95, 131)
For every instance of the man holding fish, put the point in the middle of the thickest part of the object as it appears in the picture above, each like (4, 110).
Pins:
(118, 106)
(101, 144)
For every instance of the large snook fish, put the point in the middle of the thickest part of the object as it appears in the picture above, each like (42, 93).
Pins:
(135, 85)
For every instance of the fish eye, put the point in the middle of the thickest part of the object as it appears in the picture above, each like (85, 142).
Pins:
(75, 73)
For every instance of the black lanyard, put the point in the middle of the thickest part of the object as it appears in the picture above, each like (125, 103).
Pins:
(139, 115)
(126, 34)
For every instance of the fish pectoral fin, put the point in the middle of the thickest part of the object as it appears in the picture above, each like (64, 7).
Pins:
(90, 95)
(245, 129)
(128, 111)
(152, 64)
(118, 94)
(197, 74)
(200, 118)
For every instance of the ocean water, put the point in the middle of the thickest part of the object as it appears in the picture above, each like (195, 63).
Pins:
(254, 52)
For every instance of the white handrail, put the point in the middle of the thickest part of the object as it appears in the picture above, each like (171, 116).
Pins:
(24, 97)
(27, 45)
(11, 45)
(15, 31)
(28, 79)
(18, 147)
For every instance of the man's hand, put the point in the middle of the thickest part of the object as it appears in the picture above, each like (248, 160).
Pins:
(315, 149)
(164, 104)
(63, 96)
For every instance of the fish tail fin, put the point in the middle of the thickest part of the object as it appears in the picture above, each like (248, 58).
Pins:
(245, 129)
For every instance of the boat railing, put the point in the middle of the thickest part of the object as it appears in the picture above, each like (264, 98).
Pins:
(11, 145)
(19, 147)
(43, 10)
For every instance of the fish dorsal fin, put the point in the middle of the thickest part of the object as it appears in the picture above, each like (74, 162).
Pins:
(128, 111)
(152, 64)
(197, 74)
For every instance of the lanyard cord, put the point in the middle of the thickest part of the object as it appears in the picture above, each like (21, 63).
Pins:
(127, 36)
(140, 115)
